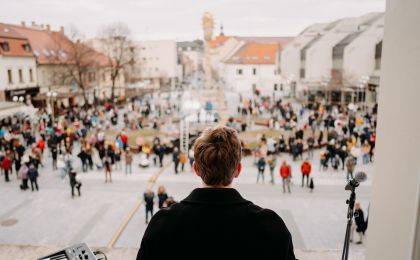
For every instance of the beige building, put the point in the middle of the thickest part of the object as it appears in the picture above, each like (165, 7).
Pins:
(56, 69)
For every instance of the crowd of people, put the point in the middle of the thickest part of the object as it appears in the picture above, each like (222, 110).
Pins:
(80, 133)
(345, 137)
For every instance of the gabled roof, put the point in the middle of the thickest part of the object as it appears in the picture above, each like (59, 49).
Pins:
(256, 53)
(18, 45)
(53, 47)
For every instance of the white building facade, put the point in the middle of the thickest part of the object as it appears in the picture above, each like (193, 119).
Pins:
(335, 57)
(18, 72)
(253, 68)
(157, 62)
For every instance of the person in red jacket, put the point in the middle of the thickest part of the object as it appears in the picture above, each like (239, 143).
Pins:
(286, 175)
(6, 165)
(306, 170)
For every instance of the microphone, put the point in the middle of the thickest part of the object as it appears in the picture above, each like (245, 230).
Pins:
(353, 183)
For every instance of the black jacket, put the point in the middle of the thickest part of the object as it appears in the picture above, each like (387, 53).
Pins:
(216, 224)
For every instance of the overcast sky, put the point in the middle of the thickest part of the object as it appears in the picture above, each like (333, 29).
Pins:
(181, 19)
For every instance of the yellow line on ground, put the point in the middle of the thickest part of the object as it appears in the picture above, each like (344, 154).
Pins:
(133, 211)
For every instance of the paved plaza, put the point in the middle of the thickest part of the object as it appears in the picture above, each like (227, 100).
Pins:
(51, 217)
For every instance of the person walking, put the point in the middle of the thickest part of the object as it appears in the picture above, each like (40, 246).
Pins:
(83, 158)
(350, 165)
(54, 154)
(23, 175)
(74, 183)
(6, 165)
(128, 160)
(117, 156)
(33, 177)
(311, 145)
(366, 152)
(261, 168)
(183, 159)
(286, 175)
(162, 195)
(306, 170)
(191, 157)
(175, 159)
(149, 197)
(107, 162)
(272, 162)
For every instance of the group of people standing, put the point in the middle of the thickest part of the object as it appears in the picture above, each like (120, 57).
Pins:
(163, 201)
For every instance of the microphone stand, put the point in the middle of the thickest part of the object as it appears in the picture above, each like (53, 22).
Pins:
(350, 202)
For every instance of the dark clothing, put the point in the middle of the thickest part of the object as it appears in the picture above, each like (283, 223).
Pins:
(162, 198)
(216, 224)
(360, 220)
(149, 199)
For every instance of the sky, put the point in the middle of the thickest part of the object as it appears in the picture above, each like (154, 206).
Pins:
(181, 19)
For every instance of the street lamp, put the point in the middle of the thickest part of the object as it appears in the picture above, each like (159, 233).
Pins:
(18, 99)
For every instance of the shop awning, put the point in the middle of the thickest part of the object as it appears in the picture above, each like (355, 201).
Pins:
(8, 109)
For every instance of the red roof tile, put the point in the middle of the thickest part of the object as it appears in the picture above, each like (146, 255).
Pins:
(15, 41)
(52, 47)
(218, 41)
(256, 53)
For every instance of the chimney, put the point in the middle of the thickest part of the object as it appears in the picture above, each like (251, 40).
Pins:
(23, 23)
(48, 28)
(62, 29)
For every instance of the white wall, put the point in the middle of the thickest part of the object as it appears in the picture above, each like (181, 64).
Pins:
(395, 197)
(359, 55)
(157, 58)
(319, 56)
(264, 79)
(16, 63)
(290, 55)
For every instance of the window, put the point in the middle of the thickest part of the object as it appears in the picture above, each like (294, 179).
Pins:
(302, 73)
(10, 76)
(20, 76)
(5, 46)
(254, 71)
(156, 69)
(239, 72)
(31, 75)
(26, 47)
(275, 87)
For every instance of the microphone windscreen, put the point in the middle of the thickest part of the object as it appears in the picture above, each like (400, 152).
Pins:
(360, 177)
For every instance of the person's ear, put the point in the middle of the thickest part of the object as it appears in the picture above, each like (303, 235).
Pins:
(196, 170)
(238, 170)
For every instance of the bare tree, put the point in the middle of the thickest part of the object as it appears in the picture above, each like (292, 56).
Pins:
(77, 60)
(117, 45)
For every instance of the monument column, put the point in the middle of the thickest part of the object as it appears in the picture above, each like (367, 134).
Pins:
(208, 27)
(393, 231)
